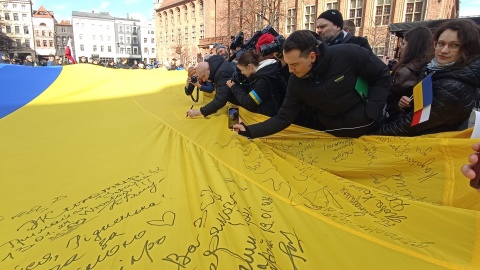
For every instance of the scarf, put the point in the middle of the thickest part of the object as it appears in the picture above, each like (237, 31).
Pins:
(434, 65)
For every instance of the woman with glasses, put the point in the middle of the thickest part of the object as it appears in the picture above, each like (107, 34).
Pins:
(417, 51)
(455, 72)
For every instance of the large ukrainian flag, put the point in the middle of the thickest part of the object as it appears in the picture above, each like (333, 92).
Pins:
(100, 169)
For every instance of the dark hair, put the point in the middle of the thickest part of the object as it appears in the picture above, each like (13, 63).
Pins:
(469, 36)
(249, 57)
(303, 40)
(420, 40)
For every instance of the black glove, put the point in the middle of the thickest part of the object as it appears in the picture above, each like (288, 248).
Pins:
(245, 133)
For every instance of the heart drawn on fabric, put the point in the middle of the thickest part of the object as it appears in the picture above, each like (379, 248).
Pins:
(168, 219)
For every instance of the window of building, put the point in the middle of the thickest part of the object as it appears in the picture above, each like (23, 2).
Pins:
(27, 42)
(82, 47)
(50, 43)
(414, 10)
(310, 18)
(94, 48)
(120, 29)
(15, 16)
(382, 12)
(5, 4)
(24, 7)
(8, 29)
(19, 42)
(80, 36)
(160, 41)
(186, 35)
(331, 5)
(178, 16)
(14, 6)
(38, 43)
(128, 28)
(45, 44)
(7, 16)
(145, 40)
(128, 40)
(50, 33)
(193, 12)
(172, 36)
(153, 50)
(93, 37)
(43, 33)
(134, 40)
(101, 37)
(25, 30)
(64, 41)
(202, 32)
(186, 14)
(355, 12)
(63, 30)
(290, 20)
(109, 48)
(201, 11)
(122, 50)
(120, 38)
(102, 48)
(152, 40)
(17, 29)
(134, 30)
(145, 50)
(108, 38)
(24, 17)
(129, 50)
(135, 50)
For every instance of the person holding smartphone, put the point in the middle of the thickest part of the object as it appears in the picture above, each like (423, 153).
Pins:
(472, 170)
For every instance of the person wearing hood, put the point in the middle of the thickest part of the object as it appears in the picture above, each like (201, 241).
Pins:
(455, 77)
(266, 89)
(324, 78)
(217, 70)
(330, 27)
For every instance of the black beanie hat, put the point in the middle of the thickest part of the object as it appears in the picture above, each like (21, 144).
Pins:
(334, 16)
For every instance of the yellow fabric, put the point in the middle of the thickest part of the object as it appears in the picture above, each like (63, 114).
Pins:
(104, 171)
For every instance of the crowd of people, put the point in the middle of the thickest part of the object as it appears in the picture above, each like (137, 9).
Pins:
(337, 85)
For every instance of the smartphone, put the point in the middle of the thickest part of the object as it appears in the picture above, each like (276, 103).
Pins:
(233, 117)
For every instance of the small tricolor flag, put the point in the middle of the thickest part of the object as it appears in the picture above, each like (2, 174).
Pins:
(423, 96)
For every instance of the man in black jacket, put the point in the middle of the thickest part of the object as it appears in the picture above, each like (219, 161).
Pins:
(329, 27)
(217, 70)
(325, 78)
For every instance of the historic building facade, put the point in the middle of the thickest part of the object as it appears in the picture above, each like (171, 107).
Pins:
(16, 29)
(63, 32)
(188, 29)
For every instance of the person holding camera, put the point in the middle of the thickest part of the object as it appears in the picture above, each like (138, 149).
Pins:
(192, 82)
(324, 78)
(266, 86)
(219, 71)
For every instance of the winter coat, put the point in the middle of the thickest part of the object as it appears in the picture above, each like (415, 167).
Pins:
(329, 88)
(454, 95)
(348, 38)
(266, 90)
(220, 72)
(403, 80)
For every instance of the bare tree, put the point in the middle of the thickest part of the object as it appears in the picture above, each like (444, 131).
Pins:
(181, 49)
(248, 16)
(377, 36)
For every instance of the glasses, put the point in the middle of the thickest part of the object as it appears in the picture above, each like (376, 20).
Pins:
(453, 47)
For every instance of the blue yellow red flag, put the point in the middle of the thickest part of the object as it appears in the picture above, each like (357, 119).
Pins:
(423, 97)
